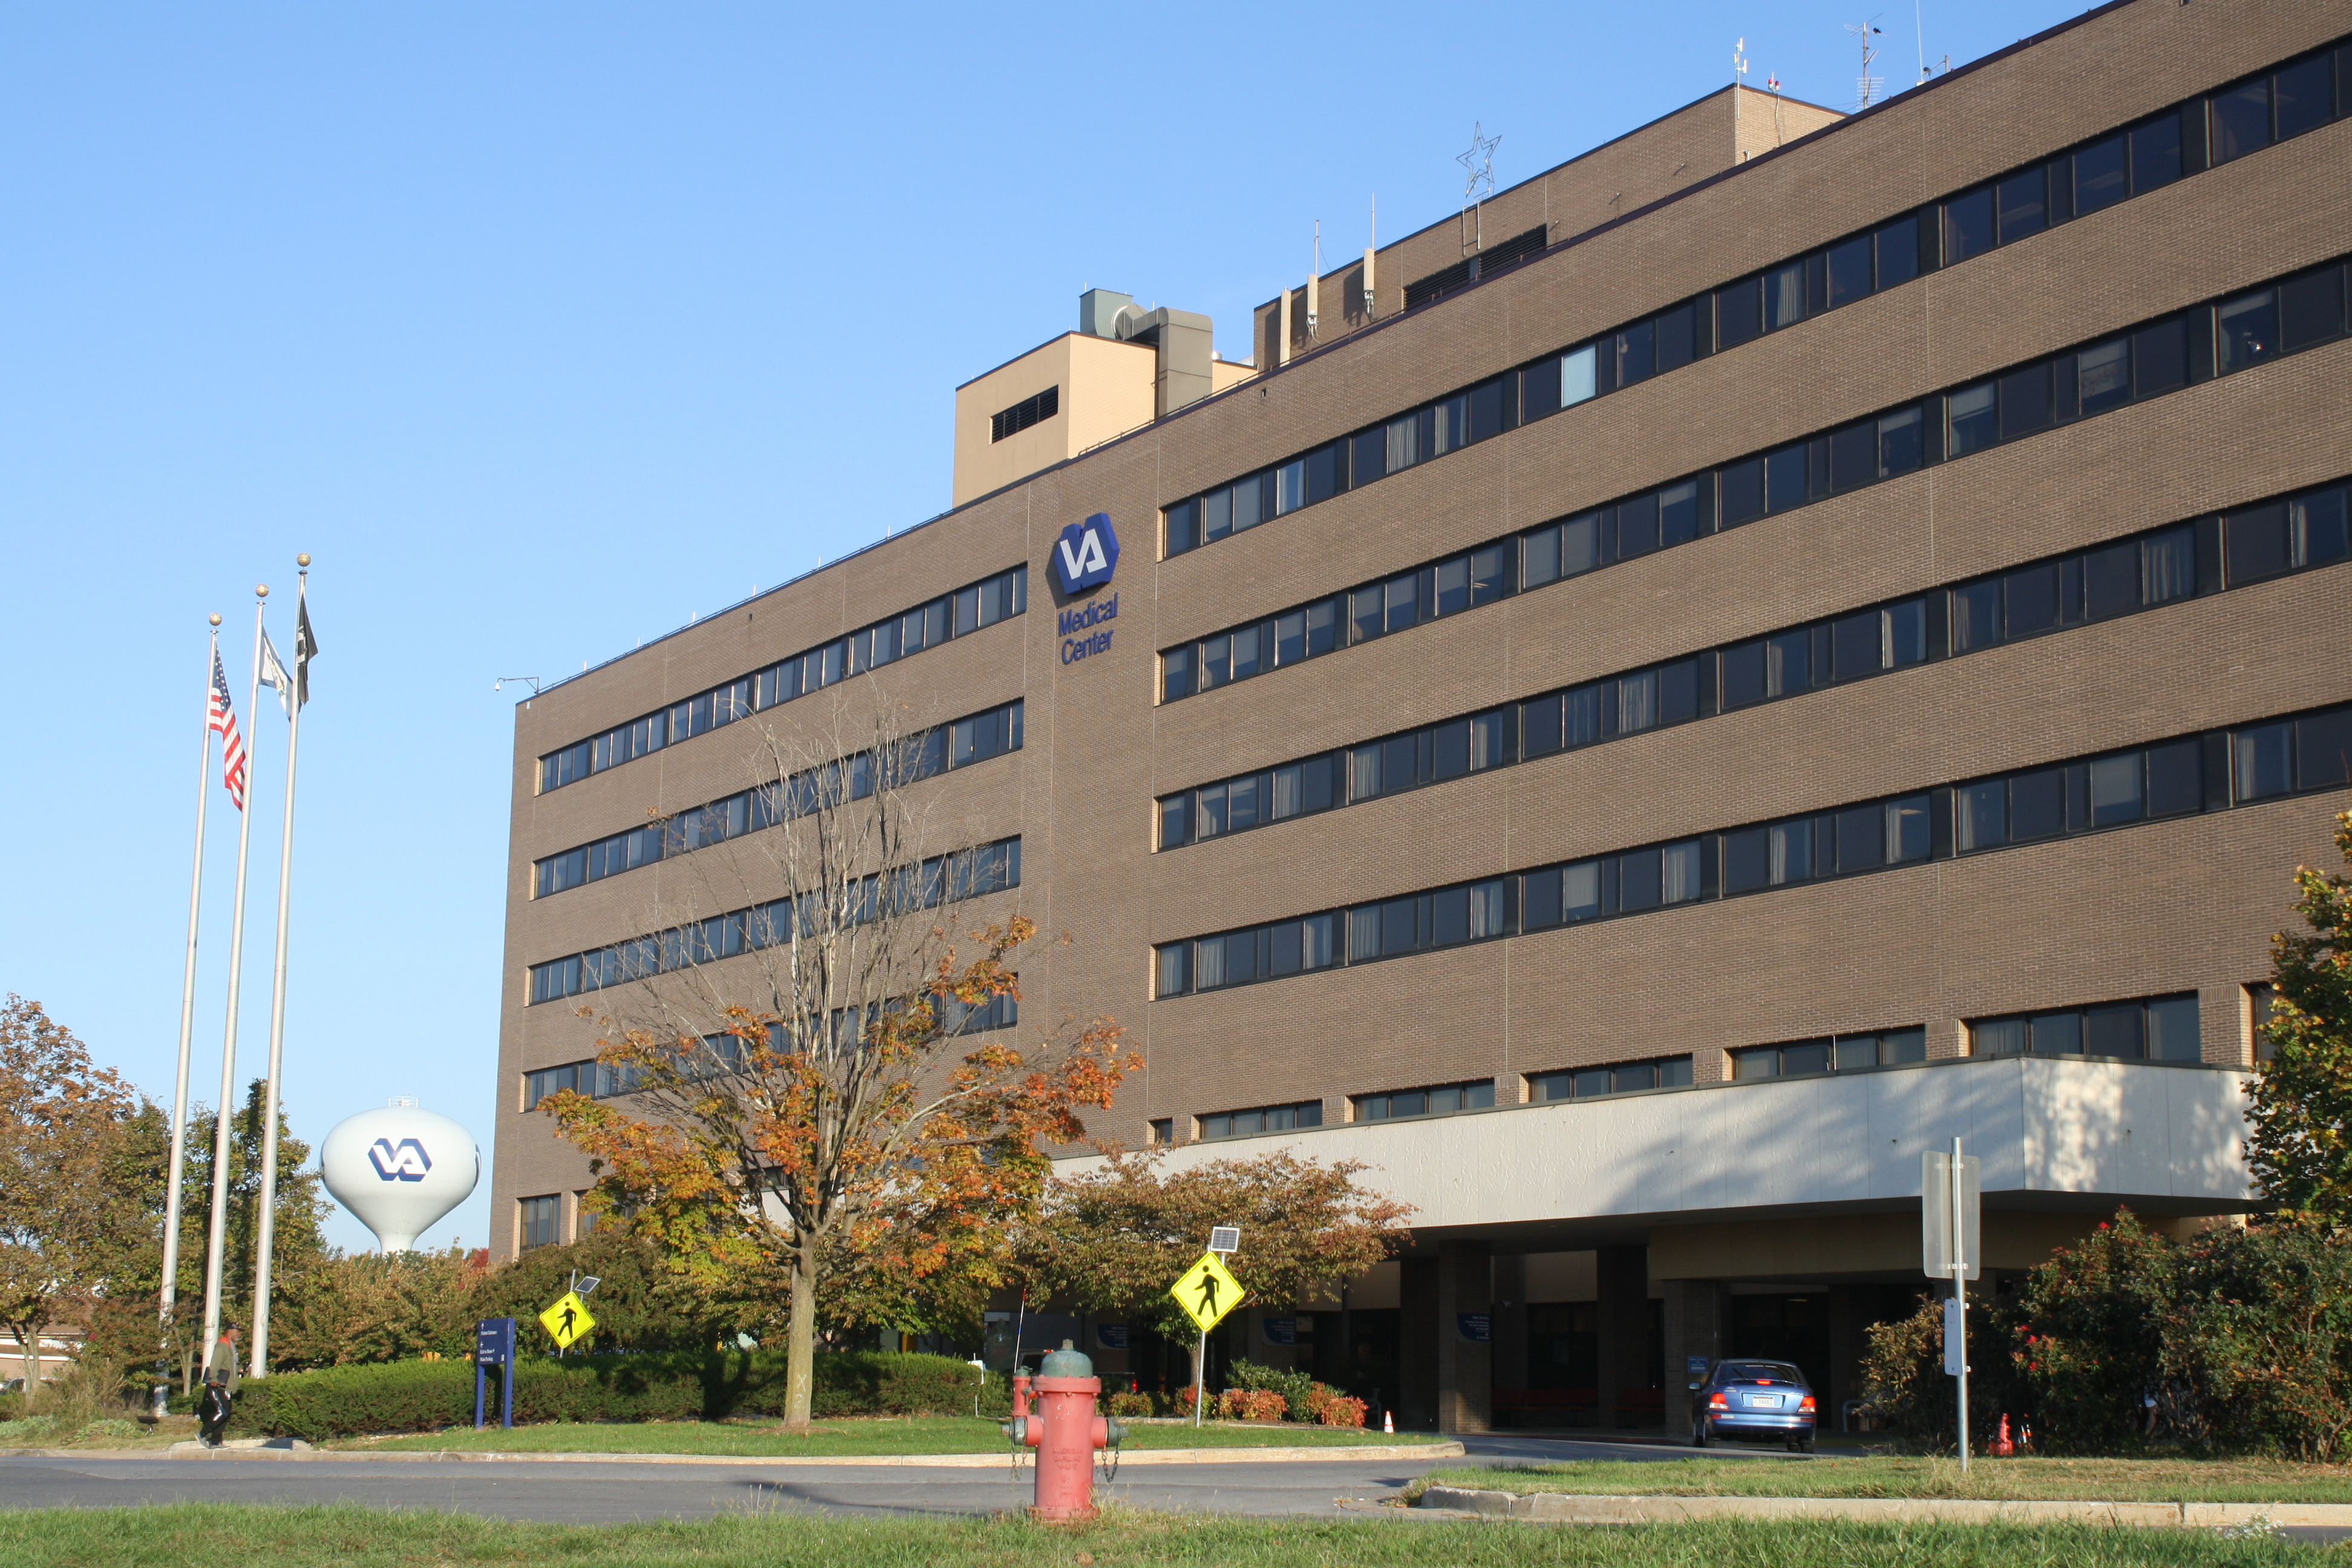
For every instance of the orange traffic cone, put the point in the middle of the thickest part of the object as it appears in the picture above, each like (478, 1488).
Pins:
(2002, 1448)
(1388, 1422)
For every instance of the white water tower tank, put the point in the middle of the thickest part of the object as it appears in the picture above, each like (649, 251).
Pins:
(400, 1169)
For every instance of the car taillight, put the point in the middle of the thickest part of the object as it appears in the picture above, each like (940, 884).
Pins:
(1806, 1403)
(1718, 1401)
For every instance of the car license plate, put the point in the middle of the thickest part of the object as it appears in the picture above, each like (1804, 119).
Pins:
(1763, 1402)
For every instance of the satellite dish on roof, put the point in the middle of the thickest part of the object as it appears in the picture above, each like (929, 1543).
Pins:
(400, 1168)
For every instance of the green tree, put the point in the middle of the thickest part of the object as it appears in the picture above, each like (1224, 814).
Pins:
(2301, 1147)
(68, 1227)
(1115, 1238)
(640, 1303)
(373, 1307)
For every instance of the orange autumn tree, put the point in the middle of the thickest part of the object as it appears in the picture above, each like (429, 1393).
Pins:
(820, 1094)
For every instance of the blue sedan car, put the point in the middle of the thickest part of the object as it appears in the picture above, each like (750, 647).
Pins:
(1755, 1400)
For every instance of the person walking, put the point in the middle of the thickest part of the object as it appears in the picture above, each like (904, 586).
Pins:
(220, 1388)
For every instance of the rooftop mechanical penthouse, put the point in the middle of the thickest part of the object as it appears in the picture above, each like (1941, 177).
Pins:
(1822, 634)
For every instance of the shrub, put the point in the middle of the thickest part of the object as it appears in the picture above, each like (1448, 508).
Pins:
(1128, 1402)
(1253, 1405)
(112, 1426)
(1903, 1374)
(426, 1396)
(29, 1428)
(1339, 1409)
(1297, 1389)
(2090, 1337)
(2258, 1344)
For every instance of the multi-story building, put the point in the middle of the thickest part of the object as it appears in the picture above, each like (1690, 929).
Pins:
(1649, 706)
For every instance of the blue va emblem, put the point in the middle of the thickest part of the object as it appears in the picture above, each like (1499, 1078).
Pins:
(1086, 555)
(406, 1164)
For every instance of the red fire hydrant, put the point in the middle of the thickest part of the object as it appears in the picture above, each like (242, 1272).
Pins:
(1066, 1432)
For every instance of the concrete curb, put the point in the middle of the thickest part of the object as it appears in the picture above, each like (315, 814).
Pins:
(927, 1461)
(1597, 1508)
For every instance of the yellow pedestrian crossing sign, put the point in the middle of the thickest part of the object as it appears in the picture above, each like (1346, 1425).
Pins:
(568, 1321)
(1207, 1291)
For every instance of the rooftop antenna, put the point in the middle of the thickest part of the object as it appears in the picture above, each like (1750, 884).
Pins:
(1314, 281)
(1919, 26)
(1867, 87)
(1779, 132)
(1371, 243)
(1479, 163)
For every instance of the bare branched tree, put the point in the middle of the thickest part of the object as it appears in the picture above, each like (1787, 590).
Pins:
(811, 1091)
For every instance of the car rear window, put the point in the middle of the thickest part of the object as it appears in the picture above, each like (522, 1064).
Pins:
(1759, 1372)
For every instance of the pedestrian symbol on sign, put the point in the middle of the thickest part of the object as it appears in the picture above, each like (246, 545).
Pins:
(1207, 1291)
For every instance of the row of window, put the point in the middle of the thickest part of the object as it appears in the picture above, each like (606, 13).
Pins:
(950, 616)
(942, 879)
(959, 744)
(2247, 329)
(1611, 1078)
(599, 1081)
(2153, 1028)
(2229, 549)
(2208, 772)
(1831, 1053)
(2287, 100)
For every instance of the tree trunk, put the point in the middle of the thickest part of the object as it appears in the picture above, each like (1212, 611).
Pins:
(28, 1343)
(800, 1341)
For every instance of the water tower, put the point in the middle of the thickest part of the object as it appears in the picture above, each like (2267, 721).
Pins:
(400, 1169)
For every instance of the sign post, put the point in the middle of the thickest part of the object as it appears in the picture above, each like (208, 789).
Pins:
(1207, 1291)
(494, 1345)
(1950, 1209)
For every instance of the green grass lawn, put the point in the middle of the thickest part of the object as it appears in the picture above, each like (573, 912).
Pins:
(2104, 1481)
(222, 1535)
(922, 1434)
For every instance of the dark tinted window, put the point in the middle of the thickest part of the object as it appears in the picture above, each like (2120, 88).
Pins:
(1738, 312)
(2257, 542)
(2249, 330)
(1898, 252)
(2155, 153)
(2311, 309)
(2024, 206)
(2303, 98)
(2102, 176)
(1968, 225)
(2242, 121)
(1849, 270)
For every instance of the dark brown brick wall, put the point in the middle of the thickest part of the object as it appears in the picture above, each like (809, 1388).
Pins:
(2186, 904)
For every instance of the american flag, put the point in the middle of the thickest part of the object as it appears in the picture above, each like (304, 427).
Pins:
(223, 720)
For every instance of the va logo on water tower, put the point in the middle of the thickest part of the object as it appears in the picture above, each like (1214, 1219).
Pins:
(408, 1163)
(1085, 554)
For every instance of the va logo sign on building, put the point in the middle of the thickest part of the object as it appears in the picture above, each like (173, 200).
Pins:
(1086, 555)
(407, 1163)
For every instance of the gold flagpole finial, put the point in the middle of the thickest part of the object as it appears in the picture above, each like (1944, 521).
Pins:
(261, 590)
(213, 617)
(303, 561)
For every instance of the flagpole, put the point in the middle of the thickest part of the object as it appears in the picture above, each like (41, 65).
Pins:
(168, 1295)
(216, 1234)
(267, 1233)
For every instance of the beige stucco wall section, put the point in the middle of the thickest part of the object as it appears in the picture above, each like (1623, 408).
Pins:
(1106, 392)
(1763, 120)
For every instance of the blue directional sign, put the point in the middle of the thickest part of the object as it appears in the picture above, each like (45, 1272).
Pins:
(494, 1346)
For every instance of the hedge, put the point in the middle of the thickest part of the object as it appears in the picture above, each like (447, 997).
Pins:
(426, 1396)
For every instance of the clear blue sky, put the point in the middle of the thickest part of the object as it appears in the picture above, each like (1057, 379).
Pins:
(544, 327)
